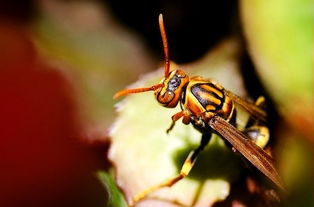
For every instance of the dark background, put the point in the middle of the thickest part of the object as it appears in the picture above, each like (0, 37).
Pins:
(193, 27)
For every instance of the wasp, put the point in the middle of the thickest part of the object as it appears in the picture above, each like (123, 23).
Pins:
(210, 108)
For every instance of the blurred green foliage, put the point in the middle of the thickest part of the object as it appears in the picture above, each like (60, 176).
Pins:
(115, 197)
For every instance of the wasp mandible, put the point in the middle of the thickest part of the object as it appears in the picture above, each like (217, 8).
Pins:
(210, 108)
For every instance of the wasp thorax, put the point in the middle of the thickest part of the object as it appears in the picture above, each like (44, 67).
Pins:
(169, 95)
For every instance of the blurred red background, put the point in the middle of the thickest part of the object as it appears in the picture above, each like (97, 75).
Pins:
(42, 160)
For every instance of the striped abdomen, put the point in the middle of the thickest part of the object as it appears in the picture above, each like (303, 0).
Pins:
(205, 97)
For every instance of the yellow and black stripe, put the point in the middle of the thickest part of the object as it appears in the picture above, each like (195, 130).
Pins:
(208, 96)
(204, 97)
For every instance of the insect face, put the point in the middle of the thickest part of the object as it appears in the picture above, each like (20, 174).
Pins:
(170, 94)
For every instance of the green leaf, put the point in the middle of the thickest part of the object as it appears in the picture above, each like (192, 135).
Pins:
(279, 34)
(115, 197)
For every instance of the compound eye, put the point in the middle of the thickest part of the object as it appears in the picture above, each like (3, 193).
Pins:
(174, 83)
(166, 97)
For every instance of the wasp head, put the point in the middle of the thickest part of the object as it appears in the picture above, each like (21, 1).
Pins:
(169, 94)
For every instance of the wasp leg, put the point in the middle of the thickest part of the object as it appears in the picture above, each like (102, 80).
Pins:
(260, 101)
(185, 170)
(176, 117)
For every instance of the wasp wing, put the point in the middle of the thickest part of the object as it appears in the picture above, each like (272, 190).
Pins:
(255, 111)
(256, 155)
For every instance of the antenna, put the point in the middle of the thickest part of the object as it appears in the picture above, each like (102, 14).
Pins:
(165, 45)
(167, 66)
(137, 90)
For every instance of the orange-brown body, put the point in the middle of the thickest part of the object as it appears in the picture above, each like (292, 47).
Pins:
(204, 99)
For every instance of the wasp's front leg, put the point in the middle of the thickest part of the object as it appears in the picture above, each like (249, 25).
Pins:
(177, 116)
